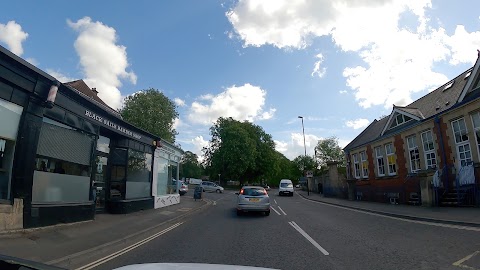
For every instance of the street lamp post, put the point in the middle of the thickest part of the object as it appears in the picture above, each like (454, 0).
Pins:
(219, 178)
(305, 147)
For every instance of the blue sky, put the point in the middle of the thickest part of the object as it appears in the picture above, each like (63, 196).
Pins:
(340, 64)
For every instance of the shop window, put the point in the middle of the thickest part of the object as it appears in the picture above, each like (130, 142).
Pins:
(9, 118)
(162, 175)
(103, 144)
(172, 177)
(62, 165)
(138, 174)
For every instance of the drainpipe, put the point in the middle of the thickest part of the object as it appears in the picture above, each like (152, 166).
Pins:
(442, 147)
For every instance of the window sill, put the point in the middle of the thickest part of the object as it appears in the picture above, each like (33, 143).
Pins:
(386, 177)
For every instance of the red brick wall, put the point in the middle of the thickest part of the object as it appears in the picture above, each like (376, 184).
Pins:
(371, 164)
(402, 170)
(448, 150)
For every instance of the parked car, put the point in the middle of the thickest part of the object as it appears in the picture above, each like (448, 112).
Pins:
(183, 188)
(286, 187)
(253, 198)
(297, 186)
(211, 187)
(266, 187)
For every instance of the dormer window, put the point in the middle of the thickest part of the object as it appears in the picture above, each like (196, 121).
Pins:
(399, 119)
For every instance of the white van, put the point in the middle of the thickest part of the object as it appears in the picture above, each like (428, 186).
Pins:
(285, 187)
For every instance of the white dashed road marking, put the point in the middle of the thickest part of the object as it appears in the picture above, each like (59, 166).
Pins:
(310, 239)
(282, 210)
(275, 201)
(275, 210)
(459, 263)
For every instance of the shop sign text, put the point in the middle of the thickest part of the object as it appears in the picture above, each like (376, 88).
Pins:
(112, 125)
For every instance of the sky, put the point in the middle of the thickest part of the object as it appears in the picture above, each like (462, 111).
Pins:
(340, 64)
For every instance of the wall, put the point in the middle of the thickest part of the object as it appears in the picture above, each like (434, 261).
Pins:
(11, 216)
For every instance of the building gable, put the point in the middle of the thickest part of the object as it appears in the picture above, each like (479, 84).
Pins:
(399, 117)
(473, 80)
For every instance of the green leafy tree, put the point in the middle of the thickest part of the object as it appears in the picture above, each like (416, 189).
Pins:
(328, 150)
(152, 111)
(283, 169)
(305, 163)
(239, 151)
(189, 166)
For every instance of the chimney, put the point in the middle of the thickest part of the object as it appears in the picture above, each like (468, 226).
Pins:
(95, 91)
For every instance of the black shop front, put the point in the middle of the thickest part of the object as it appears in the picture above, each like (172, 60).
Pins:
(64, 154)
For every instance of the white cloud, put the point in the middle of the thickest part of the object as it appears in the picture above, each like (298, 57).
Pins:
(268, 115)
(464, 45)
(317, 69)
(295, 146)
(12, 35)
(199, 143)
(176, 123)
(103, 61)
(59, 76)
(397, 61)
(358, 123)
(244, 102)
(180, 102)
(343, 91)
(32, 61)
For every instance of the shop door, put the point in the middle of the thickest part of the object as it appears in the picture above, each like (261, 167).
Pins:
(99, 182)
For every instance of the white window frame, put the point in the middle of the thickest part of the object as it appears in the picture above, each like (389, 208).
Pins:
(460, 136)
(476, 131)
(389, 146)
(363, 160)
(413, 153)
(356, 166)
(429, 152)
(379, 158)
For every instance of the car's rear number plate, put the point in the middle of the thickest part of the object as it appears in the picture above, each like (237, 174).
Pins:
(254, 200)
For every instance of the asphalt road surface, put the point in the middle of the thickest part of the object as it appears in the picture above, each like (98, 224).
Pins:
(300, 234)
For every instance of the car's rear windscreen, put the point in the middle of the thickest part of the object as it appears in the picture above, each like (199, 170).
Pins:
(253, 191)
(285, 185)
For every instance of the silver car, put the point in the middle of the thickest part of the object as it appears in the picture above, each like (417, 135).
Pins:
(211, 187)
(253, 198)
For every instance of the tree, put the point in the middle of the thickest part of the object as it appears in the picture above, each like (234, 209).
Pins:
(305, 163)
(189, 166)
(239, 151)
(283, 169)
(328, 150)
(152, 111)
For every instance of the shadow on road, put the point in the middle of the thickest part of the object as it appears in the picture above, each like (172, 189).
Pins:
(245, 215)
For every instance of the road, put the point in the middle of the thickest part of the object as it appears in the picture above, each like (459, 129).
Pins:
(300, 234)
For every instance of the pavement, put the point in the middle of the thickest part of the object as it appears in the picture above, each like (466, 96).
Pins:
(67, 245)
(462, 216)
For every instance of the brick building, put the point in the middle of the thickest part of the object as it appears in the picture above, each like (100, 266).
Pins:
(438, 133)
